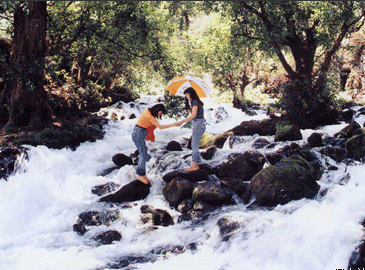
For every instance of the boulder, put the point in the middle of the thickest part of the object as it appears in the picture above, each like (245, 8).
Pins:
(347, 115)
(243, 166)
(209, 153)
(95, 218)
(336, 153)
(101, 190)
(134, 191)
(236, 185)
(315, 140)
(161, 218)
(348, 131)
(265, 127)
(121, 160)
(211, 194)
(8, 158)
(260, 143)
(194, 176)
(357, 259)
(173, 146)
(288, 133)
(227, 227)
(177, 190)
(290, 179)
(355, 147)
(209, 140)
(108, 237)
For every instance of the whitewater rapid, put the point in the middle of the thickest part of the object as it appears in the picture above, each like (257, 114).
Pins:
(40, 203)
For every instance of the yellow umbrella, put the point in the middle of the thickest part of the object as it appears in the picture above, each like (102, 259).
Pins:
(178, 84)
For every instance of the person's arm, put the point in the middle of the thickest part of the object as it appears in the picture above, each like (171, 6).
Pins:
(192, 116)
(157, 124)
(160, 126)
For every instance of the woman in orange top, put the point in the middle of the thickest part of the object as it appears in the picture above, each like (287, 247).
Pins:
(146, 120)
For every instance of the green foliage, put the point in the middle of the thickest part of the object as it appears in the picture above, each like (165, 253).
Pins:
(175, 106)
(308, 107)
(58, 138)
(283, 126)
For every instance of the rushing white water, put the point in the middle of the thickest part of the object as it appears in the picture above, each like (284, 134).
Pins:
(41, 202)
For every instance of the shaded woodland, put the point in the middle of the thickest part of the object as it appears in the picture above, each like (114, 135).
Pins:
(62, 60)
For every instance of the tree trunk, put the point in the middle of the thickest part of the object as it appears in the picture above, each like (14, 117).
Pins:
(27, 98)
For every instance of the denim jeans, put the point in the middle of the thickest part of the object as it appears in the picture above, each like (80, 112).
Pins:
(139, 138)
(198, 131)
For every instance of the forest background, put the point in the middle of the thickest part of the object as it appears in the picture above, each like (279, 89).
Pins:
(62, 60)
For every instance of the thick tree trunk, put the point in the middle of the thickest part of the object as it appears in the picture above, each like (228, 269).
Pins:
(27, 97)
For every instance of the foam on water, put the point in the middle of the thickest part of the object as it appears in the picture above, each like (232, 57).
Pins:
(41, 202)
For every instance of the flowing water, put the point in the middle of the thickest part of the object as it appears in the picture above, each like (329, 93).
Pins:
(40, 203)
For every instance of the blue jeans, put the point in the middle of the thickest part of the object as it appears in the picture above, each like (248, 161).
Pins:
(139, 138)
(198, 131)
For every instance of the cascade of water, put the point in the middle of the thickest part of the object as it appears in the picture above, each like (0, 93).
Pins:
(41, 202)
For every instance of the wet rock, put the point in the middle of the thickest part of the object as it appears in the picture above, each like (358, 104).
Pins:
(161, 218)
(247, 194)
(209, 140)
(158, 217)
(8, 158)
(121, 160)
(355, 147)
(290, 179)
(212, 194)
(134, 191)
(260, 143)
(315, 140)
(95, 218)
(243, 166)
(177, 190)
(265, 127)
(80, 228)
(209, 153)
(145, 209)
(194, 176)
(173, 146)
(288, 133)
(336, 153)
(109, 171)
(236, 185)
(203, 207)
(348, 131)
(108, 237)
(227, 227)
(220, 114)
(185, 205)
(101, 190)
(274, 158)
(347, 115)
(357, 259)
(128, 260)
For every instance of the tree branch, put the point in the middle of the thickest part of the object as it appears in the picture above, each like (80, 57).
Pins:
(269, 27)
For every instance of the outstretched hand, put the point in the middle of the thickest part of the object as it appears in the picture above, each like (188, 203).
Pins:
(177, 124)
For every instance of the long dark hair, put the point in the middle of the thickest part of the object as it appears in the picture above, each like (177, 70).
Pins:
(193, 96)
(157, 108)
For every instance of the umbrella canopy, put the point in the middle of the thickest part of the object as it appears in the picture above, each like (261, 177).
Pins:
(177, 86)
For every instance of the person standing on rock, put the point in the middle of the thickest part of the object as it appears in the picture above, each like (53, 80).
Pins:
(196, 109)
(146, 121)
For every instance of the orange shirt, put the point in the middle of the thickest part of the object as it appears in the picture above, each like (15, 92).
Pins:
(146, 119)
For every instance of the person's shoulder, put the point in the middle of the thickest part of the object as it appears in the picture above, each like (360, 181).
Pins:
(195, 103)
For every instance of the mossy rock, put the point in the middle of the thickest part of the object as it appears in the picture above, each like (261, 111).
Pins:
(243, 166)
(218, 140)
(288, 133)
(58, 138)
(290, 179)
(355, 147)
